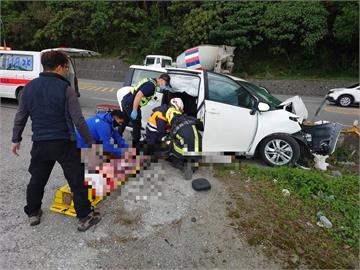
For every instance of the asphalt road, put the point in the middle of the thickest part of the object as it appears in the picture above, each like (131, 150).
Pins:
(181, 229)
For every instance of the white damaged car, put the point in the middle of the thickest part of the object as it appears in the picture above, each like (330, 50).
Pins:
(239, 117)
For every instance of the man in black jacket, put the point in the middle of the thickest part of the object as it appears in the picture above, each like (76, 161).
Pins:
(54, 108)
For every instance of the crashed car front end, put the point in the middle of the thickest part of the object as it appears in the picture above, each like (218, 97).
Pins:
(318, 137)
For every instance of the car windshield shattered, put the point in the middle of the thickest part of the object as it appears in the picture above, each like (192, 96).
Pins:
(262, 94)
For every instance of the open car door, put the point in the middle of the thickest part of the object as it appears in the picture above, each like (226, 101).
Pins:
(230, 123)
(73, 53)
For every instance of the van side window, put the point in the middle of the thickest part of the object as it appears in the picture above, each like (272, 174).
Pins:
(224, 90)
(19, 62)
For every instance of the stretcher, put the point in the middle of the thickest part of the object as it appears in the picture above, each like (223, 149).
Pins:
(63, 201)
(110, 176)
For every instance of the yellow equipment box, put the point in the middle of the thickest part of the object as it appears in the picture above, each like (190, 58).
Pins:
(63, 202)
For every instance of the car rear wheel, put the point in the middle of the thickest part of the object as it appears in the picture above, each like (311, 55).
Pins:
(345, 100)
(279, 150)
(18, 91)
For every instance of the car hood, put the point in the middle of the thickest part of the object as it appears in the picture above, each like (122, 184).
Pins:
(297, 106)
(336, 90)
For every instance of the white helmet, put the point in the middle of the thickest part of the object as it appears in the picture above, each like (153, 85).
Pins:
(177, 103)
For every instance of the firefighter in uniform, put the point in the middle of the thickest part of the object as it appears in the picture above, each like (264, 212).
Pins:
(186, 139)
(158, 126)
(138, 97)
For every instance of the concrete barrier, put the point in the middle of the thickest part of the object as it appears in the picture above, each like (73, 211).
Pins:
(114, 69)
(104, 69)
(302, 87)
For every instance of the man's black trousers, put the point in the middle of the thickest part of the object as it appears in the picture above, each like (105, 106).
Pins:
(44, 154)
(136, 124)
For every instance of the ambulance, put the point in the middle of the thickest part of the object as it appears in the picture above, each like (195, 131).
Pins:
(17, 68)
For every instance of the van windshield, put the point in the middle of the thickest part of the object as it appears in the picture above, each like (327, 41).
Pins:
(20, 62)
(262, 94)
(150, 61)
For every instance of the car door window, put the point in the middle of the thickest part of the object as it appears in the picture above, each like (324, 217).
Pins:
(224, 90)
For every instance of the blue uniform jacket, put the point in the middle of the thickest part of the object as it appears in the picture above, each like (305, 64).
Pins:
(102, 130)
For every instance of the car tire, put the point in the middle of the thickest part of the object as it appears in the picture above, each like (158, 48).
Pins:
(279, 150)
(345, 100)
(18, 91)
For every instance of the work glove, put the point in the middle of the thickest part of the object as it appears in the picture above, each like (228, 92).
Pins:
(133, 115)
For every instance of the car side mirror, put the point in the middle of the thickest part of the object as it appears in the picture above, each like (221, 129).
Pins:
(263, 107)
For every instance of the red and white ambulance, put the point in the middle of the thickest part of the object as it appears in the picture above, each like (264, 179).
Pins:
(17, 68)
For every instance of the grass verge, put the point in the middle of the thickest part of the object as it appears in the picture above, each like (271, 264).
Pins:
(286, 227)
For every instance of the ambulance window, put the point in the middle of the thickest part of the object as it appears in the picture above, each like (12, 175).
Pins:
(140, 74)
(16, 62)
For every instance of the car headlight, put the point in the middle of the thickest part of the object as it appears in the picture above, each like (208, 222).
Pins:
(295, 119)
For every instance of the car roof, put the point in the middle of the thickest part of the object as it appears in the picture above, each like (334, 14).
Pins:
(181, 70)
(236, 78)
(159, 55)
(166, 69)
(17, 51)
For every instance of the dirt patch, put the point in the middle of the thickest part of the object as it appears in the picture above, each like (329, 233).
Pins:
(346, 156)
(281, 227)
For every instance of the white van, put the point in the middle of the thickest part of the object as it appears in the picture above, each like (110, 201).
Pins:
(239, 117)
(17, 68)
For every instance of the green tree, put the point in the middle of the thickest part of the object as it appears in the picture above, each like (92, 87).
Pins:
(200, 22)
(21, 21)
(241, 25)
(293, 26)
(346, 25)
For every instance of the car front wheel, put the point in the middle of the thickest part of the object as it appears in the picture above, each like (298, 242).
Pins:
(345, 100)
(279, 150)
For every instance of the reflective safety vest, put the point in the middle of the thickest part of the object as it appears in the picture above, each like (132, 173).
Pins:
(144, 100)
(180, 122)
(151, 125)
(170, 113)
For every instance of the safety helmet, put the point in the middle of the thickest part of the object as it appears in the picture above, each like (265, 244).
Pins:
(177, 103)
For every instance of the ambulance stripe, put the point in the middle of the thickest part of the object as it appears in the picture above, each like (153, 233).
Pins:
(13, 81)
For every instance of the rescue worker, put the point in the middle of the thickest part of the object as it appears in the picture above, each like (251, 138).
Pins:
(186, 140)
(137, 98)
(102, 127)
(158, 126)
